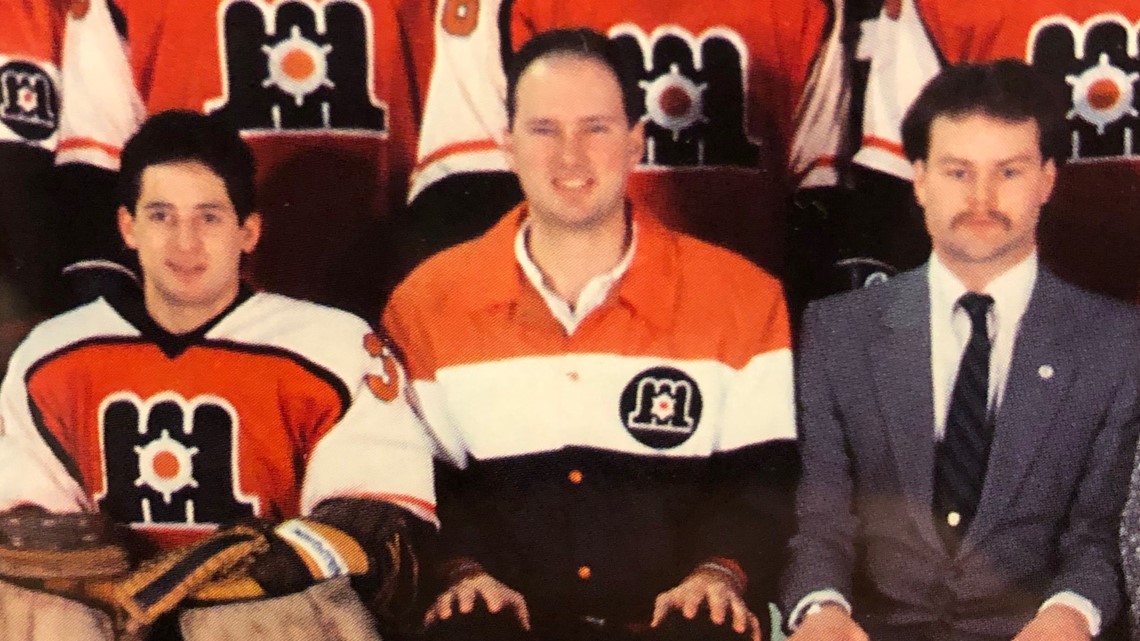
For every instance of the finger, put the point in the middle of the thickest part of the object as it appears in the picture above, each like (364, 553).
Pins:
(520, 611)
(690, 603)
(740, 614)
(717, 606)
(491, 598)
(755, 624)
(432, 614)
(445, 602)
(465, 597)
(660, 608)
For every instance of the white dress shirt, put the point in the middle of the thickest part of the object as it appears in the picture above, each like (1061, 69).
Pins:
(591, 296)
(950, 329)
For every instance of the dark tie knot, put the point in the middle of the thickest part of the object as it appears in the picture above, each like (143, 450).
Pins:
(976, 305)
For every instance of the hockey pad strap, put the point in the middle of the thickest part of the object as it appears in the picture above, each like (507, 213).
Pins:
(305, 551)
(159, 586)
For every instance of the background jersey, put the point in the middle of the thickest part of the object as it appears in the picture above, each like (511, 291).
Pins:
(732, 120)
(321, 91)
(274, 407)
(1091, 48)
(30, 44)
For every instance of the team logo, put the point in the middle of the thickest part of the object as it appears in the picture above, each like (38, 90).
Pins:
(383, 380)
(694, 90)
(1099, 63)
(661, 407)
(299, 65)
(29, 102)
(171, 461)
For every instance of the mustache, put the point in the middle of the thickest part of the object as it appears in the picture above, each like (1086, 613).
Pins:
(990, 215)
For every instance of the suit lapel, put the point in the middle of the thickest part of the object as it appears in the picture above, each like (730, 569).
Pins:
(900, 361)
(1040, 372)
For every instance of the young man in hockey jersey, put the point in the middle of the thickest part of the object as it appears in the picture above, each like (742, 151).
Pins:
(206, 404)
(603, 391)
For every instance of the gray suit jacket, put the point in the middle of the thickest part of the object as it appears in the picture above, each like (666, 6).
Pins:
(1057, 476)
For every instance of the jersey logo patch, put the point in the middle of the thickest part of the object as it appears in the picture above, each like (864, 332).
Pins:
(661, 407)
(693, 89)
(29, 101)
(171, 461)
(299, 65)
(1100, 63)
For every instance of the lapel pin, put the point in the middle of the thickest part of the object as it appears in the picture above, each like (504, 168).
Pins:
(1045, 372)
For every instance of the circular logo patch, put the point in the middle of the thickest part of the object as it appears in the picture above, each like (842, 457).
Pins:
(661, 407)
(28, 101)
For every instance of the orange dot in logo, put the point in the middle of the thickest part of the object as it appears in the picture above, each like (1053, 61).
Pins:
(460, 17)
(675, 102)
(1103, 94)
(298, 64)
(165, 465)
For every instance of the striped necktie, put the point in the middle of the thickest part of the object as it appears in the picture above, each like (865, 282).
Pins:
(960, 462)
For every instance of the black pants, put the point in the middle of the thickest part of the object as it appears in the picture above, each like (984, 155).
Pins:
(480, 625)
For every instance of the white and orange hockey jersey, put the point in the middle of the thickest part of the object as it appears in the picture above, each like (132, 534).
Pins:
(275, 406)
(1093, 48)
(320, 89)
(30, 43)
(742, 104)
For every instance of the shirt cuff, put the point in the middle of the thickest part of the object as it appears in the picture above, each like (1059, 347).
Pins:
(819, 597)
(1078, 603)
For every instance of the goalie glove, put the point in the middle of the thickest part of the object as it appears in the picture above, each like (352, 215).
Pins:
(306, 551)
(37, 544)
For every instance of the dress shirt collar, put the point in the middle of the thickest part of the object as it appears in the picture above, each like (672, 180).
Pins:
(1010, 290)
(593, 294)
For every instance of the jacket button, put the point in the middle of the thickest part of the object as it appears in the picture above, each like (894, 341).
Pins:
(584, 572)
(575, 476)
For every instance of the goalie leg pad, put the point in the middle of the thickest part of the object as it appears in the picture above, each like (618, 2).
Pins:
(34, 615)
(328, 611)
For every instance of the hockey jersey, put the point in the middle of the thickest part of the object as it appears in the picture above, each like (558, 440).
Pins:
(273, 407)
(30, 44)
(320, 89)
(740, 104)
(1092, 49)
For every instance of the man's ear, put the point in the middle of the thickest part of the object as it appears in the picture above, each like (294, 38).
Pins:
(1048, 181)
(251, 232)
(509, 147)
(919, 181)
(636, 143)
(127, 227)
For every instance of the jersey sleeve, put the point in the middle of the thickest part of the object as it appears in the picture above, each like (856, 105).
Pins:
(102, 107)
(820, 122)
(377, 449)
(903, 59)
(29, 73)
(30, 469)
(464, 117)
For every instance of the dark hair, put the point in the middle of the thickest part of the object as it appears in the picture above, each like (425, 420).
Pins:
(1005, 89)
(187, 136)
(580, 43)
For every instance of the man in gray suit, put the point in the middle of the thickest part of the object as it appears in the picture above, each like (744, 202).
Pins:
(967, 428)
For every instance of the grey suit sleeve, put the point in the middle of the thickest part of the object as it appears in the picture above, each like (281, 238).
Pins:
(823, 548)
(1088, 544)
(1130, 544)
